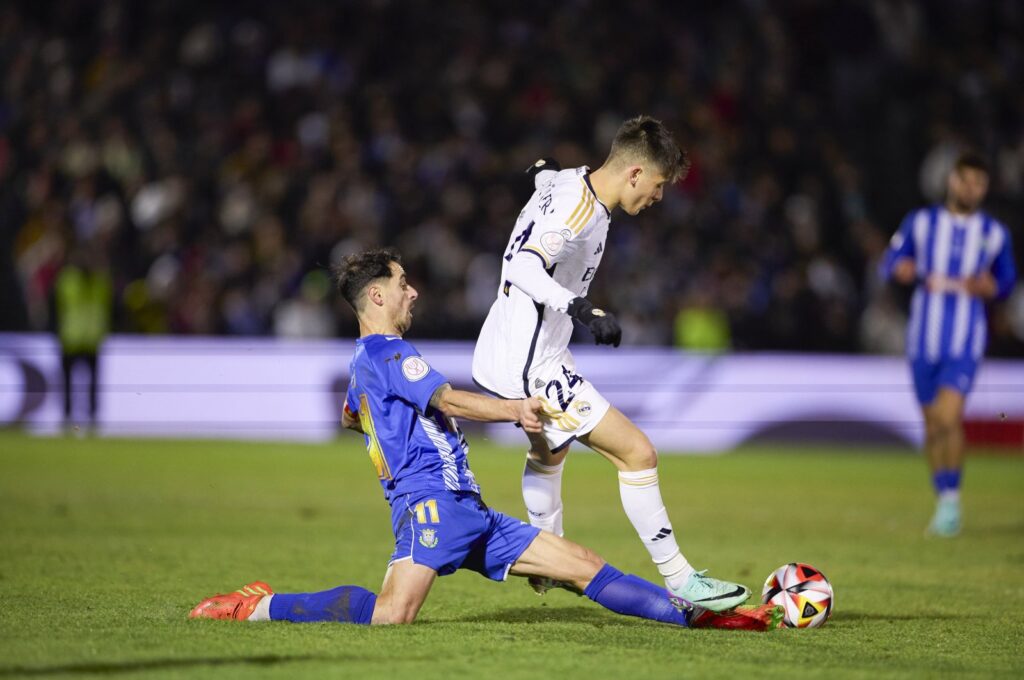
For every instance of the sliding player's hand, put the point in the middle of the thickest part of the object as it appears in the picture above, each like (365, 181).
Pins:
(529, 414)
(603, 325)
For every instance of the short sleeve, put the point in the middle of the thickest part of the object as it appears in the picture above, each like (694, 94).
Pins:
(901, 245)
(351, 398)
(409, 376)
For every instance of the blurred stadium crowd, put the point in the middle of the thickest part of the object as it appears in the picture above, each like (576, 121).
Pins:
(218, 157)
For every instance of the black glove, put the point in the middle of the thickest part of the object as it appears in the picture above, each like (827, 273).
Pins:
(605, 328)
(543, 164)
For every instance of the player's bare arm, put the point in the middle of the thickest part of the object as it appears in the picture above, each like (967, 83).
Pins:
(461, 404)
(904, 271)
(984, 286)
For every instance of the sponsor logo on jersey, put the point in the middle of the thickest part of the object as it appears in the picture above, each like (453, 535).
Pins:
(415, 368)
(598, 312)
(428, 538)
(552, 242)
(538, 383)
(582, 407)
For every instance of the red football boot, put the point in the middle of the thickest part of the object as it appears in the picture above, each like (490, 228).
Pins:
(237, 605)
(761, 618)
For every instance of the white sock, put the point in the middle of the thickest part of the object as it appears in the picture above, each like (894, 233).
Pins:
(950, 495)
(641, 499)
(262, 610)
(542, 493)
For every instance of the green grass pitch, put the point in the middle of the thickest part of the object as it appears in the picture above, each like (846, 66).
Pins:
(105, 545)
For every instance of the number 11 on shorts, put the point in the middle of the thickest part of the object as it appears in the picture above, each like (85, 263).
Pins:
(425, 508)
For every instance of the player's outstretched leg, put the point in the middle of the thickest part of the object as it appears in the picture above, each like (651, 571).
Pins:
(237, 606)
(626, 594)
(542, 485)
(405, 588)
(622, 442)
(542, 495)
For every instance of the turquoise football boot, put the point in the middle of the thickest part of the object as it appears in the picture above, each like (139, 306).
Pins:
(710, 593)
(946, 520)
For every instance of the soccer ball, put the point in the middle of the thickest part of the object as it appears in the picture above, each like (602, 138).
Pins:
(804, 593)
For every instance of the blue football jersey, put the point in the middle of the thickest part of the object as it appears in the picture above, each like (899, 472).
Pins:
(947, 323)
(413, 446)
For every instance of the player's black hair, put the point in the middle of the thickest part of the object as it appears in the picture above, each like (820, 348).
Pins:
(356, 272)
(646, 138)
(971, 159)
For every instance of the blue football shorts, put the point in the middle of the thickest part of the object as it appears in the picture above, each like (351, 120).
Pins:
(956, 374)
(448, 530)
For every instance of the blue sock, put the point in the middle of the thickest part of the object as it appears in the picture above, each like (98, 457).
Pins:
(939, 481)
(345, 604)
(633, 596)
(953, 480)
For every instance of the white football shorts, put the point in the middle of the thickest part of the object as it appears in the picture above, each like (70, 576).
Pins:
(572, 405)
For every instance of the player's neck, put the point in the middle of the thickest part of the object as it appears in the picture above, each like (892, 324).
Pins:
(959, 210)
(377, 327)
(603, 183)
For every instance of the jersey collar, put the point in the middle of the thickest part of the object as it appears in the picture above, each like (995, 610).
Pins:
(586, 178)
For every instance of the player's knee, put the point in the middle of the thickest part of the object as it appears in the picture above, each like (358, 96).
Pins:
(642, 456)
(405, 617)
(950, 421)
(390, 610)
(394, 615)
(540, 453)
(944, 425)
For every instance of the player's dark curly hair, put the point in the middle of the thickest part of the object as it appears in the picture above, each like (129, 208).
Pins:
(647, 139)
(970, 158)
(356, 272)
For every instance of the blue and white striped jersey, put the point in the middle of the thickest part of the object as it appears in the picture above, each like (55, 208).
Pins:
(413, 446)
(946, 322)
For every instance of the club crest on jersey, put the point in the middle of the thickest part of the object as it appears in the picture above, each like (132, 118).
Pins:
(582, 407)
(415, 368)
(552, 242)
(428, 538)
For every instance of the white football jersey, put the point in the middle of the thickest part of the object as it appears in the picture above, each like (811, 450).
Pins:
(564, 226)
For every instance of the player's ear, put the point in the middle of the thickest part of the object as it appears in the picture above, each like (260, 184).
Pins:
(634, 174)
(375, 294)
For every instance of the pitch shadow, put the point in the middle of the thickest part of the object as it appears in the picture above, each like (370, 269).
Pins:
(995, 530)
(112, 667)
(540, 614)
(864, 616)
